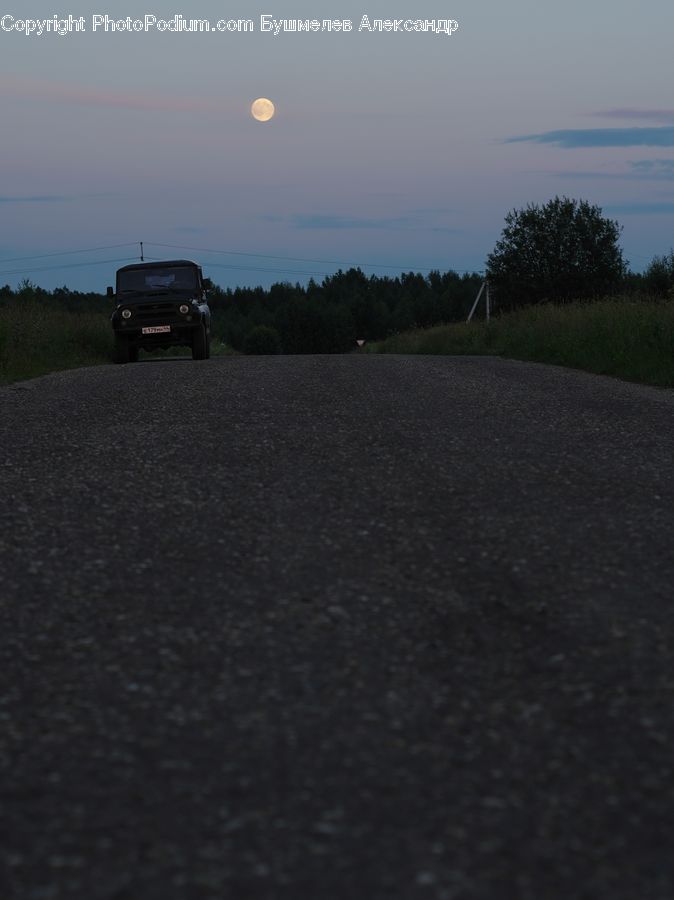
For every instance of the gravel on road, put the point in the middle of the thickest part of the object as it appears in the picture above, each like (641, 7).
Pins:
(332, 627)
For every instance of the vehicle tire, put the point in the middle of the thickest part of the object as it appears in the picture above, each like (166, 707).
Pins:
(199, 342)
(122, 349)
(208, 343)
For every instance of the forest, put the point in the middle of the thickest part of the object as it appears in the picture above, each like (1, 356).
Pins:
(331, 316)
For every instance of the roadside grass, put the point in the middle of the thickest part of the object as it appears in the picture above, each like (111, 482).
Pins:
(36, 339)
(624, 337)
(218, 348)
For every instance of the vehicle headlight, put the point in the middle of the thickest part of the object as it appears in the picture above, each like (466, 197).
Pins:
(184, 308)
(126, 313)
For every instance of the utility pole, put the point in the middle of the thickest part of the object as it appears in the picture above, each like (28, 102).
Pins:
(484, 287)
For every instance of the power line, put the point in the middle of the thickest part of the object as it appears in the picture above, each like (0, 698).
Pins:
(99, 262)
(266, 271)
(157, 259)
(212, 265)
(329, 262)
(248, 268)
(67, 252)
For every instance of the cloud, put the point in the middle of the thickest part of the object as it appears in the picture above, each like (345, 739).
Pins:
(37, 89)
(661, 136)
(326, 221)
(653, 168)
(641, 209)
(38, 198)
(411, 220)
(437, 211)
(653, 115)
(638, 170)
(398, 223)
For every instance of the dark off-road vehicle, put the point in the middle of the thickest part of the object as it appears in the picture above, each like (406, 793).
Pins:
(160, 305)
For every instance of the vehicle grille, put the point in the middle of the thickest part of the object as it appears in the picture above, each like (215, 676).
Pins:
(154, 313)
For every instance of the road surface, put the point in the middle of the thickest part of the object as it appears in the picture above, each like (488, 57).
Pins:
(336, 627)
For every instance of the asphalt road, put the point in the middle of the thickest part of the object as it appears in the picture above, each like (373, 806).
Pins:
(336, 627)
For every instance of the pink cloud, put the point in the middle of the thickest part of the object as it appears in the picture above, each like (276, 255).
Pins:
(30, 88)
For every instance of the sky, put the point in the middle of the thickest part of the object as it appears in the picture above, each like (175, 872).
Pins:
(393, 150)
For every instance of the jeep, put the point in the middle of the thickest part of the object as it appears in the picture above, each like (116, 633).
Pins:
(160, 305)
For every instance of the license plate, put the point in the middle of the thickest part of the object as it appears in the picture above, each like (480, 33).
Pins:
(156, 329)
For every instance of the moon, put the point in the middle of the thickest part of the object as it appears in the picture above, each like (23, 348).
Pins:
(262, 109)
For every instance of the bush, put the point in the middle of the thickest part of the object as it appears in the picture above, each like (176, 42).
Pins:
(38, 337)
(262, 340)
(659, 276)
(615, 336)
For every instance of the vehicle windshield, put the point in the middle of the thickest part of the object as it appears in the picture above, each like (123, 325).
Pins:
(159, 280)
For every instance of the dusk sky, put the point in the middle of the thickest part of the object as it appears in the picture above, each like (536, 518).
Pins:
(395, 151)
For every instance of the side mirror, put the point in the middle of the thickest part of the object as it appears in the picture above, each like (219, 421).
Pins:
(110, 291)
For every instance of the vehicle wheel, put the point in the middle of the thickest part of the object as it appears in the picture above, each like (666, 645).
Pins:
(199, 344)
(133, 354)
(122, 349)
(208, 343)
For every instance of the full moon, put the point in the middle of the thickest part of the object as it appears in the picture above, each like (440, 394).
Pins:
(262, 109)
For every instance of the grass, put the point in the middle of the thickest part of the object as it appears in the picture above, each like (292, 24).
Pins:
(218, 348)
(36, 339)
(619, 336)
(624, 337)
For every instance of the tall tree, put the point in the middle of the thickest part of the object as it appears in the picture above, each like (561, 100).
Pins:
(561, 251)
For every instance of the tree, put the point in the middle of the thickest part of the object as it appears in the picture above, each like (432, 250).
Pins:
(659, 276)
(564, 250)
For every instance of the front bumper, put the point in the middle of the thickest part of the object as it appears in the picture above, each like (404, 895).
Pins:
(153, 316)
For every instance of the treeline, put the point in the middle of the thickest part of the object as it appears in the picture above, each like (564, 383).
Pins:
(60, 297)
(331, 316)
(317, 318)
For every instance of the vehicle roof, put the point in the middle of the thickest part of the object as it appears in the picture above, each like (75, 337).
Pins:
(159, 263)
